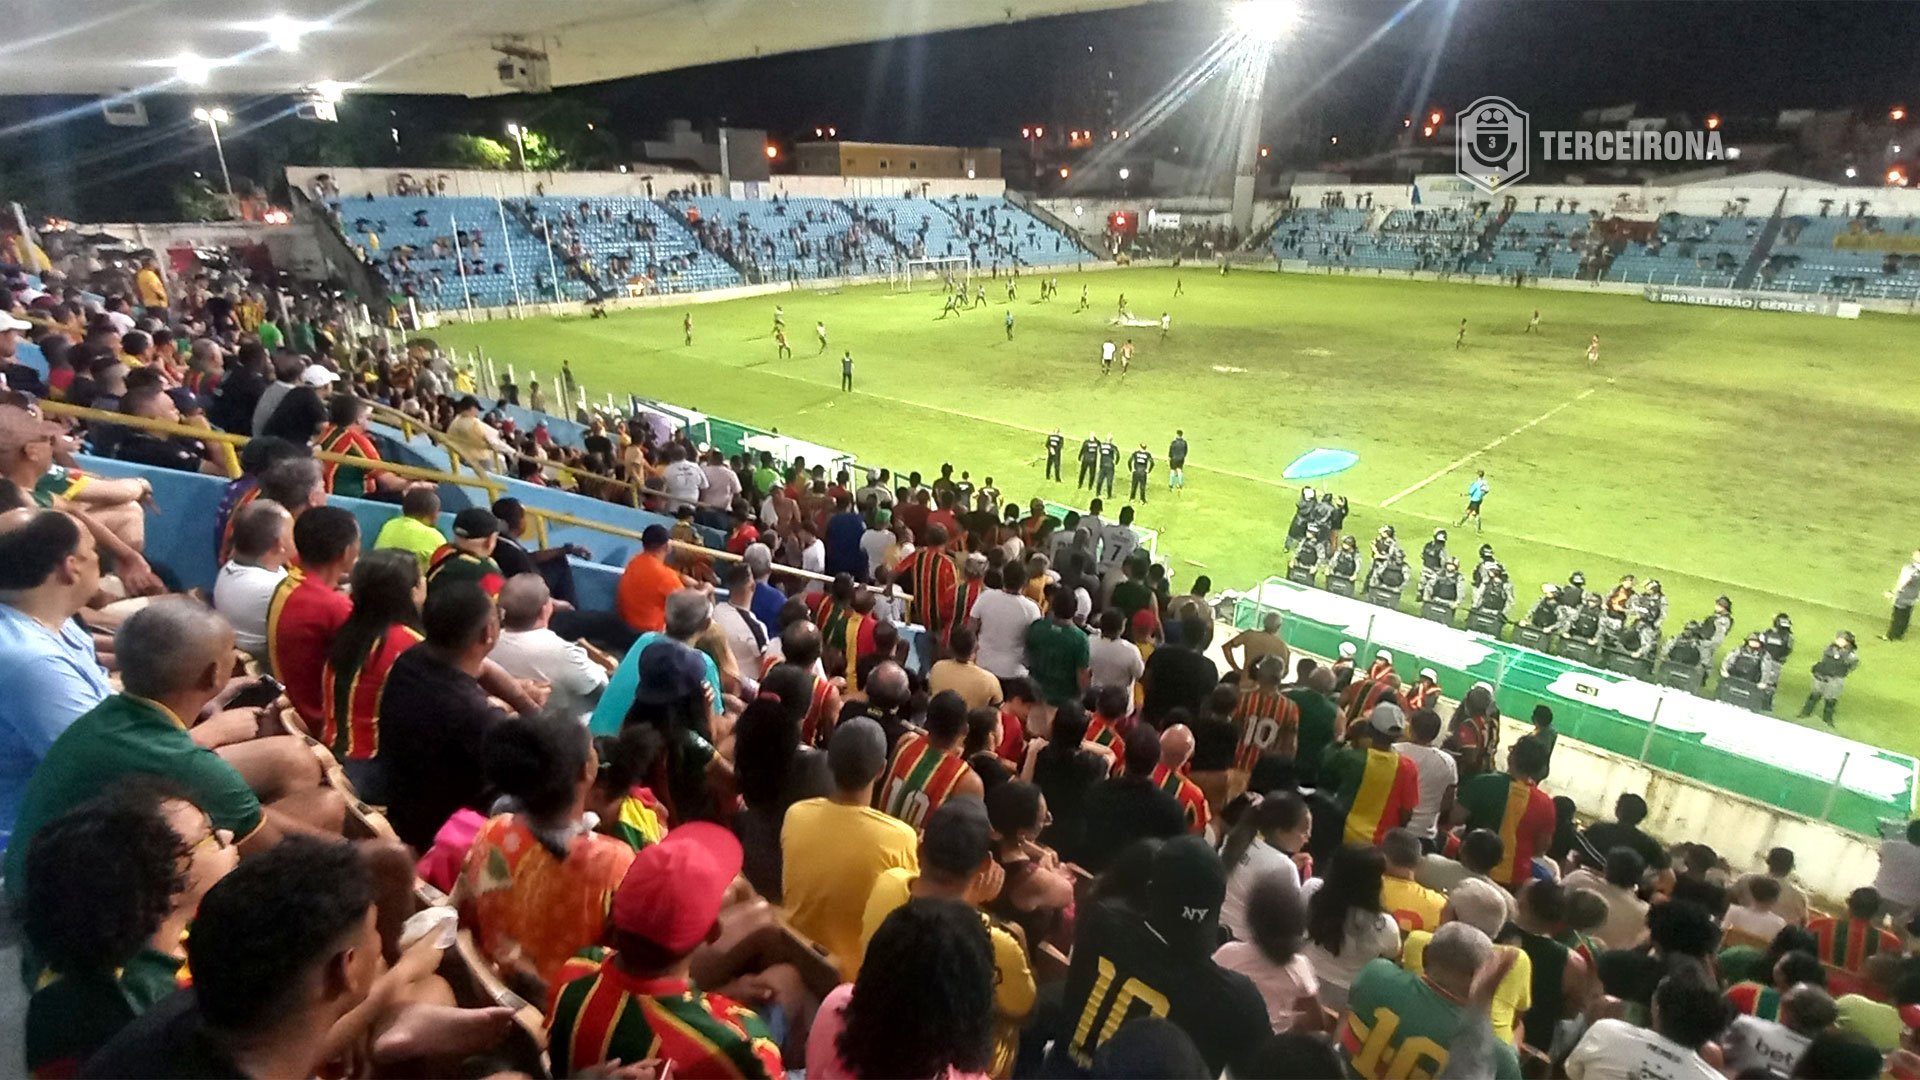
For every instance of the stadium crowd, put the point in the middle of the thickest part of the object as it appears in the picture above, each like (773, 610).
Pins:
(991, 753)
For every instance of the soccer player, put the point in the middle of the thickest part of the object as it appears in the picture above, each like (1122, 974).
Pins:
(1476, 494)
(1461, 341)
(1593, 351)
(1109, 458)
(1106, 356)
(781, 348)
(1083, 299)
(952, 305)
(1009, 324)
(820, 331)
(686, 326)
(1177, 460)
(846, 371)
(980, 295)
(1166, 325)
(1533, 324)
(1011, 281)
(1089, 457)
(779, 320)
(1139, 463)
(1126, 356)
(1055, 443)
(1122, 312)
(1179, 287)
(1053, 286)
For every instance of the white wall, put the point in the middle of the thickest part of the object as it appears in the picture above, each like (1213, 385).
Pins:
(1636, 202)
(876, 187)
(489, 183)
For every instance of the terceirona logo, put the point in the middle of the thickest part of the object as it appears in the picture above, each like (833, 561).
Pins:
(1491, 137)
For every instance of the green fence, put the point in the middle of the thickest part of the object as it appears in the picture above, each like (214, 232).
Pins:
(1798, 769)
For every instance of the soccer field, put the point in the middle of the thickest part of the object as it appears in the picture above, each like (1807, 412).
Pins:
(1752, 454)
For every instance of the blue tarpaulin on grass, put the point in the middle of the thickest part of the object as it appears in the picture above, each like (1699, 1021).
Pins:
(1320, 462)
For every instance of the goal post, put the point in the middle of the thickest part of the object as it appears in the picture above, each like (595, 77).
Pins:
(913, 275)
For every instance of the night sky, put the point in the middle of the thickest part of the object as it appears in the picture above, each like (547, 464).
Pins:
(1354, 70)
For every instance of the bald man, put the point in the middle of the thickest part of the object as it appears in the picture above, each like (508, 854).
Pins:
(176, 656)
(1170, 776)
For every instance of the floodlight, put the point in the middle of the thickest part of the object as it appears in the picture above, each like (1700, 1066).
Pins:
(772, 152)
(1898, 113)
(513, 129)
(1263, 151)
(1064, 171)
(1334, 139)
(1079, 210)
(215, 115)
(969, 174)
(1733, 153)
(1124, 173)
(192, 69)
(1852, 172)
(1713, 123)
(1264, 21)
(832, 132)
(285, 33)
(331, 90)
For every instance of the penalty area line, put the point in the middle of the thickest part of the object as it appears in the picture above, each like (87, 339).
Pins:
(1445, 469)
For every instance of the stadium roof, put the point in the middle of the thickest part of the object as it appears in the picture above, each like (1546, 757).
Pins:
(439, 46)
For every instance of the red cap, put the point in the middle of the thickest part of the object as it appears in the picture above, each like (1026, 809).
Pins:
(672, 892)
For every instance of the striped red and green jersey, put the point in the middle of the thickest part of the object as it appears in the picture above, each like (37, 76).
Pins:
(351, 724)
(929, 575)
(965, 596)
(1755, 1000)
(1193, 802)
(821, 608)
(347, 479)
(1359, 699)
(920, 779)
(1104, 732)
(239, 494)
(602, 1014)
(641, 819)
(450, 563)
(1269, 723)
(1378, 792)
(815, 726)
(1519, 811)
(1847, 943)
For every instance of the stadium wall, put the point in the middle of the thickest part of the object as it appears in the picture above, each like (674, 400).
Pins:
(486, 183)
(869, 187)
(1634, 202)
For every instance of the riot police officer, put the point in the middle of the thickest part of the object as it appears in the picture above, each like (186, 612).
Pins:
(1390, 575)
(1444, 586)
(1384, 547)
(1433, 557)
(1688, 647)
(1494, 592)
(1777, 642)
(1650, 604)
(1830, 672)
(1547, 616)
(1345, 562)
(1574, 593)
(1636, 638)
(1480, 568)
(1309, 555)
(1748, 663)
(1587, 621)
(1717, 626)
(1302, 515)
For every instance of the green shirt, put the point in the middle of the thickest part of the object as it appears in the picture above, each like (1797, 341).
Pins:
(55, 483)
(1317, 715)
(70, 1017)
(1397, 1024)
(765, 480)
(1056, 654)
(1875, 1021)
(407, 534)
(270, 337)
(121, 736)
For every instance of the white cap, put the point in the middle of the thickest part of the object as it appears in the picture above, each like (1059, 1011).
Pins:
(1384, 655)
(1347, 650)
(1429, 673)
(317, 376)
(8, 322)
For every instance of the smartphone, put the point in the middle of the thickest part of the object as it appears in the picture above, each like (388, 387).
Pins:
(264, 692)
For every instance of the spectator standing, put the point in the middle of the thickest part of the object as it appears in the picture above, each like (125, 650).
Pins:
(1904, 594)
(308, 608)
(930, 577)
(836, 847)
(1562, 976)
(1792, 904)
(1130, 806)
(1271, 956)
(1347, 924)
(1432, 1009)
(1065, 771)
(385, 622)
(929, 767)
(434, 716)
(1898, 880)
(1483, 906)
(1254, 644)
(287, 370)
(1378, 788)
(1002, 617)
(1512, 805)
(1629, 810)
(1319, 714)
(1439, 775)
(959, 672)
(243, 591)
(1113, 660)
(1179, 675)
(1265, 842)
(1057, 656)
(49, 570)
(1413, 905)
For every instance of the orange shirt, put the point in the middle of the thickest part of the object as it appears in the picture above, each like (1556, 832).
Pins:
(519, 899)
(644, 587)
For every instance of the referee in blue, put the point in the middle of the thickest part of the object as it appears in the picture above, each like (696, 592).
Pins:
(1476, 494)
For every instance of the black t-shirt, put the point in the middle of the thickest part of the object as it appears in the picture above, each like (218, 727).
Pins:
(1214, 744)
(1121, 963)
(511, 558)
(161, 453)
(1604, 836)
(1118, 812)
(299, 416)
(1177, 678)
(598, 444)
(1065, 782)
(1090, 450)
(170, 1041)
(232, 406)
(1140, 461)
(1054, 443)
(433, 718)
(1109, 455)
(1177, 451)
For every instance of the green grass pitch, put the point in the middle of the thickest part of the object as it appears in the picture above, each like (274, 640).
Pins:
(1759, 455)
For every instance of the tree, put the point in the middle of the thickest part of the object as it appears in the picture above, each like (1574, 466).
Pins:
(543, 155)
(476, 152)
(194, 200)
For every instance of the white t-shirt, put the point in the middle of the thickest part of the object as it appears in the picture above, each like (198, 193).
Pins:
(1261, 860)
(876, 543)
(722, 485)
(1117, 541)
(1281, 986)
(1004, 618)
(243, 594)
(1751, 1041)
(1114, 662)
(1437, 773)
(738, 624)
(1761, 924)
(1369, 936)
(543, 654)
(683, 480)
(1617, 1050)
(1106, 350)
(813, 557)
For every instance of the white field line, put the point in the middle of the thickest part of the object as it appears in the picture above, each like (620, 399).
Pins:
(1445, 469)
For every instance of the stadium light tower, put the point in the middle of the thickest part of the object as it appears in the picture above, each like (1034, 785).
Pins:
(1260, 24)
(520, 140)
(213, 118)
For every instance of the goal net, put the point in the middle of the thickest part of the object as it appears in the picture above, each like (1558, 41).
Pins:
(919, 275)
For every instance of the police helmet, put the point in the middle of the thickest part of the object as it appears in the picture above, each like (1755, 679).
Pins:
(1592, 599)
(1848, 635)
(1577, 578)
(1781, 622)
(1386, 531)
(1722, 603)
(1440, 535)
(1453, 564)
(1691, 629)
(1548, 588)
(1752, 642)
(1486, 552)
(1497, 570)
(1348, 543)
(1653, 585)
